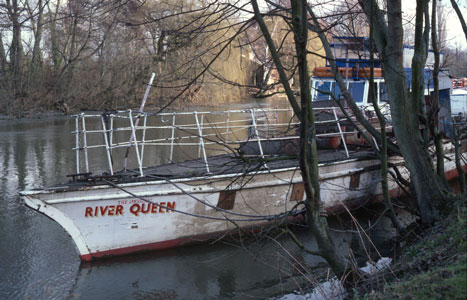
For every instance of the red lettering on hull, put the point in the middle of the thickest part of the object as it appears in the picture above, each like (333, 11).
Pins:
(100, 211)
(103, 210)
(135, 209)
(119, 210)
(88, 212)
(153, 208)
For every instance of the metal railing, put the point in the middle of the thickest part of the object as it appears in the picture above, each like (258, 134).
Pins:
(221, 129)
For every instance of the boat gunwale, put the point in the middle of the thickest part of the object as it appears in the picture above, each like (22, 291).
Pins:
(195, 190)
(64, 188)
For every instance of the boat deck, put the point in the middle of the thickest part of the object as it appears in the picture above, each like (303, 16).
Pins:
(219, 165)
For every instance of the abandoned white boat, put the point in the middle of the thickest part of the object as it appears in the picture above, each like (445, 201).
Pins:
(192, 176)
(220, 171)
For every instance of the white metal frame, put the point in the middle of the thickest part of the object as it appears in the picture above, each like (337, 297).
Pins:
(264, 125)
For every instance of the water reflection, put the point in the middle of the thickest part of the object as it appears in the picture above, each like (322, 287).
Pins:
(216, 271)
(38, 259)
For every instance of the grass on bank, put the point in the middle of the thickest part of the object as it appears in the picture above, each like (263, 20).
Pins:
(433, 266)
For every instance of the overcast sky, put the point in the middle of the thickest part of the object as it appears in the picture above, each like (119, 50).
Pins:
(455, 35)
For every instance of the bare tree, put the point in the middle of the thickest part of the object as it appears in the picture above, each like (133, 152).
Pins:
(308, 156)
(405, 107)
(460, 16)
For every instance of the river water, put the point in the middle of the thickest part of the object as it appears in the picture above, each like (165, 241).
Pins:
(38, 260)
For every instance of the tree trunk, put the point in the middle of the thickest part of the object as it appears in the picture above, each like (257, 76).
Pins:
(384, 142)
(53, 15)
(36, 52)
(388, 38)
(5, 96)
(460, 172)
(433, 116)
(275, 56)
(3, 63)
(16, 49)
(461, 18)
(417, 101)
(309, 149)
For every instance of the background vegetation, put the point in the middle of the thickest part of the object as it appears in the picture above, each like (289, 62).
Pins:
(95, 54)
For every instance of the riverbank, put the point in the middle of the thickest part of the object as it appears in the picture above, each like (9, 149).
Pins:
(432, 265)
(279, 101)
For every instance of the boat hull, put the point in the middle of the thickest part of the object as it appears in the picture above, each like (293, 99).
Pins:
(108, 220)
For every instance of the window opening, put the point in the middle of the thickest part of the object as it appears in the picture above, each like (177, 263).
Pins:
(298, 190)
(383, 92)
(323, 86)
(356, 90)
(226, 200)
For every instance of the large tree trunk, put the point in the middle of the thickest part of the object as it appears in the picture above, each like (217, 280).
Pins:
(388, 38)
(308, 154)
(309, 149)
(383, 153)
